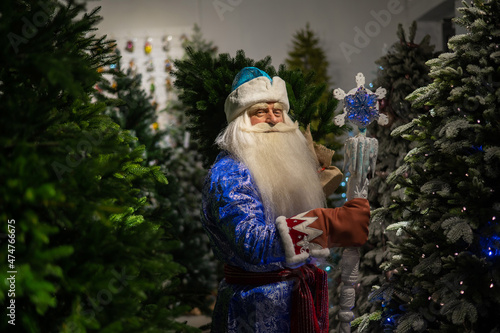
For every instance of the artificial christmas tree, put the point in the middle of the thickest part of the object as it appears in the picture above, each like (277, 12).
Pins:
(81, 257)
(445, 275)
(186, 174)
(308, 56)
(198, 43)
(401, 71)
(175, 205)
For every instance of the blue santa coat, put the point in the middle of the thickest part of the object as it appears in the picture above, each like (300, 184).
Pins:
(241, 235)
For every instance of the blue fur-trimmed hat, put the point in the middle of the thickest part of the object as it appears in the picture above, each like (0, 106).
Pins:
(251, 86)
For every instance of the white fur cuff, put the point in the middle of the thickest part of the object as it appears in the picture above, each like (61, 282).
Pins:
(288, 245)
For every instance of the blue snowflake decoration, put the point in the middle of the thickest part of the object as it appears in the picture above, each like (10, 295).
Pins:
(361, 107)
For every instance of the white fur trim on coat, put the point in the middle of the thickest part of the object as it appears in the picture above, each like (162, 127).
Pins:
(289, 247)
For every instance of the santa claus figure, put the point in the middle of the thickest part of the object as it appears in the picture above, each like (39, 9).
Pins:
(264, 212)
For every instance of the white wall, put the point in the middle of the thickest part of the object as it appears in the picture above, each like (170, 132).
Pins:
(266, 27)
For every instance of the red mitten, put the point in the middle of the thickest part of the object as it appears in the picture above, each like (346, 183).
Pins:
(316, 231)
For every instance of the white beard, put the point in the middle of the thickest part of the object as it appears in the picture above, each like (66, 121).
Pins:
(280, 162)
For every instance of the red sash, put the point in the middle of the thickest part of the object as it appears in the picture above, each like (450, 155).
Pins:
(309, 294)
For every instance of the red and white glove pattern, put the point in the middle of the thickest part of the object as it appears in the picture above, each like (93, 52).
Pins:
(314, 232)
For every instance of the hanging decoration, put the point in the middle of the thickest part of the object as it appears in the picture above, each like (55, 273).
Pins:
(166, 42)
(151, 53)
(150, 66)
(152, 86)
(132, 67)
(361, 107)
(168, 65)
(129, 46)
(168, 84)
(148, 46)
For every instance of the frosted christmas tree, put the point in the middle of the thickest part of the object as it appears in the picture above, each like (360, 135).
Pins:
(446, 274)
(402, 70)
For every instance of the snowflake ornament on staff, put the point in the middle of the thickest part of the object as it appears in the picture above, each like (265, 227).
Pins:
(361, 107)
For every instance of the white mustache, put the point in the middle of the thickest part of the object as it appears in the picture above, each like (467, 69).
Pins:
(267, 128)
